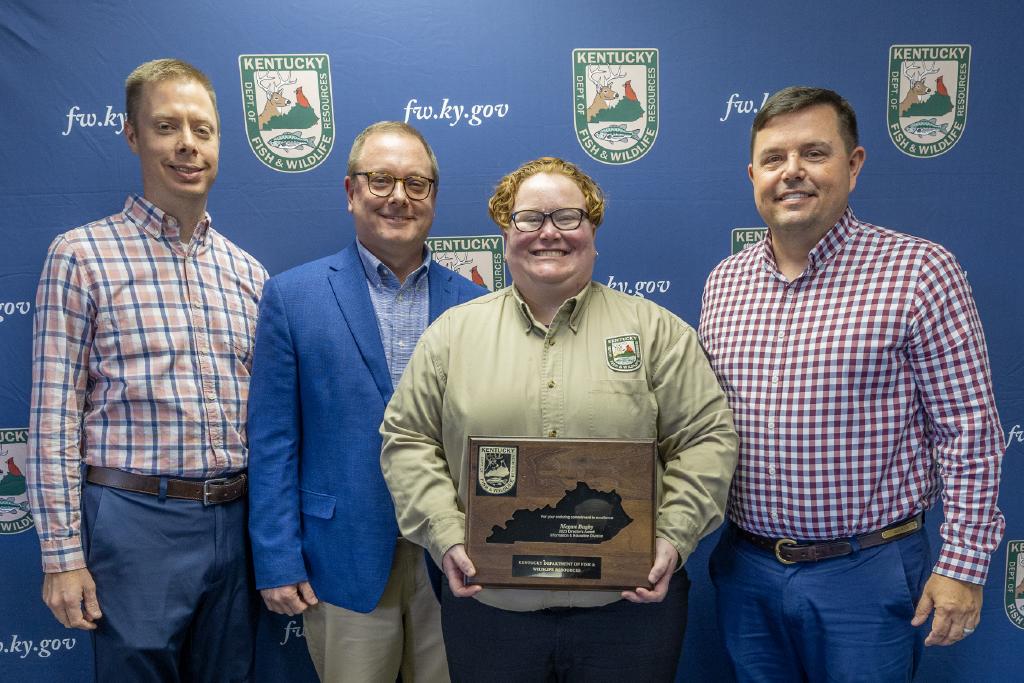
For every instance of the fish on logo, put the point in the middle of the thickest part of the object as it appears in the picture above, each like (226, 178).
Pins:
(615, 102)
(927, 103)
(289, 114)
(291, 141)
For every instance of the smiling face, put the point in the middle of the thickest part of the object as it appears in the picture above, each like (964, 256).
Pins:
(178, 144)
(392, 228)
(802, 172)
(550, 264)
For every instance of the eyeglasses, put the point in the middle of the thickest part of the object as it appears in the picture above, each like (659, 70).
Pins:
(529, 220)
(382, 184)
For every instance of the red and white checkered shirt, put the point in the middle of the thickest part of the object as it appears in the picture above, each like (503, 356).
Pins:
(141, 361)
(861, 392)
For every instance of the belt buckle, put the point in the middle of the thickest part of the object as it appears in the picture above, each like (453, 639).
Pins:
(779, 545)
(206, 488)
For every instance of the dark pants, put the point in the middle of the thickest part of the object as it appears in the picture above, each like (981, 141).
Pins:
(619, 642)
(843, 619)
(174, 583)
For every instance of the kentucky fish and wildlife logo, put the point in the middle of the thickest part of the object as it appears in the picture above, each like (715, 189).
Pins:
(1014, 593)
(496, 470)
(623, 353)
(615, 102)
(927, 106)
(289, 114)
(480, 259)
(14, 513)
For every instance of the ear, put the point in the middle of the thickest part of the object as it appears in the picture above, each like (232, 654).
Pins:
(350, 189)
(857, 158)
(131, 136)
(750, 172)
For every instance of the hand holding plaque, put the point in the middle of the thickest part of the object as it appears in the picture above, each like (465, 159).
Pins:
(563, 514)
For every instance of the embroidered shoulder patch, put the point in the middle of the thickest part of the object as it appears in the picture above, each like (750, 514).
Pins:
(623, 352)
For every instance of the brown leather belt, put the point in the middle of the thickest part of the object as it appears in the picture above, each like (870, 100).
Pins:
(208, 492)
(788, 551)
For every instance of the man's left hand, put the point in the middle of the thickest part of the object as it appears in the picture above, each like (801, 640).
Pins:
(665, 560)
(957, 606)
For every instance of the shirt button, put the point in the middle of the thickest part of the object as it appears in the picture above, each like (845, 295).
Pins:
(551, 342)
(775, 379)
(771, 426)
(211, 398)
(775, 515)
(553, 433)
(197, 305)
(551, 384)
(771, 470)
(782, 335)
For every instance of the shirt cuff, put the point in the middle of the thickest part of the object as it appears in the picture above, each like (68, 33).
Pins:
(963, 564)
(446, 532)
(62, 555)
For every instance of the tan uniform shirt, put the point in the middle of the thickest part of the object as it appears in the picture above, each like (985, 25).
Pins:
(489, 368)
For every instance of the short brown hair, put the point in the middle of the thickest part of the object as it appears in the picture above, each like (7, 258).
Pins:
(391, 127)
(799, 97)
(504, 197)
(162, 70)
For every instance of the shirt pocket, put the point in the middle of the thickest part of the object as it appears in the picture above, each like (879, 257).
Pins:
(239, 330)
(622, 408)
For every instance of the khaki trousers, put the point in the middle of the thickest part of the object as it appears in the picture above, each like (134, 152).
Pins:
(403, 633)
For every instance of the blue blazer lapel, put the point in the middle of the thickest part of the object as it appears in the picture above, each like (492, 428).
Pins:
(348, 281)
(442, 290)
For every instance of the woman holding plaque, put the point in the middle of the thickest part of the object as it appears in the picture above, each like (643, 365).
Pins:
(558, 356)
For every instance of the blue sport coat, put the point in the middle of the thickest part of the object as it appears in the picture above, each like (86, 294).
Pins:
(319, 508)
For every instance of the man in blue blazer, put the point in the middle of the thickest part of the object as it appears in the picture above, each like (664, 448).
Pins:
(332, 341)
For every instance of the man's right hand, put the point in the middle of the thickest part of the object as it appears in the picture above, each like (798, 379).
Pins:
(71, 596)
(290, 600)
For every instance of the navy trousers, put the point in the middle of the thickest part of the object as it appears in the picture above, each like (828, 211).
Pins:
(843, 619)
(174, 582)
(622, 641)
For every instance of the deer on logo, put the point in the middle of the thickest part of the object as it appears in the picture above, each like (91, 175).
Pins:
(918, 92)
(272, 84)
(602, 77)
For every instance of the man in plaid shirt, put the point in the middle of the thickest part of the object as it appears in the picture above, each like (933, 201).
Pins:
(142, 352)
(855, 364)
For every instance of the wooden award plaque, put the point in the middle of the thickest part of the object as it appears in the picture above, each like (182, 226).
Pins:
(561, 514)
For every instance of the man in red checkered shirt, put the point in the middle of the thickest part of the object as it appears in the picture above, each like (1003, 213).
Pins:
(855, 364)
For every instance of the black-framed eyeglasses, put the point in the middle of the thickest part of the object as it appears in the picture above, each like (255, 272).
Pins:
(382, 184)
(529, 220)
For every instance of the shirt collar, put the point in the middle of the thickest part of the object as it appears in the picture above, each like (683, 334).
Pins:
(572, 308)
(149, 218)
(830, 244)
(375, 269)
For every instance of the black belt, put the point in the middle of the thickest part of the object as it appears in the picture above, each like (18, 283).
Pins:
(208, 492)
(788, 551)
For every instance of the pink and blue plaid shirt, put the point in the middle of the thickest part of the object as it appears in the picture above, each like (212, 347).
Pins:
(861, 392)
(141, 361)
